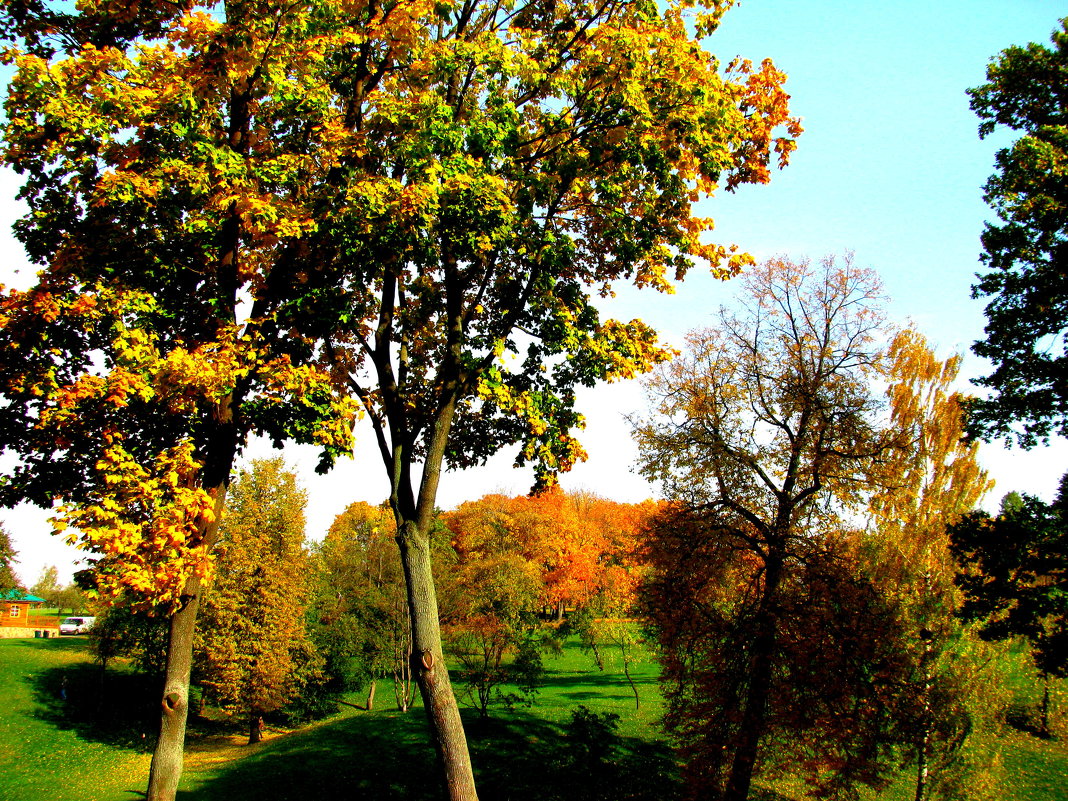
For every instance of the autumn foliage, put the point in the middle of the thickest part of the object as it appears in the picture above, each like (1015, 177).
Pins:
(573, 547)
(255, 216)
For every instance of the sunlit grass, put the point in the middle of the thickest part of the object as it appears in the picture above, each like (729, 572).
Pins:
(50, 748)
(41, 757)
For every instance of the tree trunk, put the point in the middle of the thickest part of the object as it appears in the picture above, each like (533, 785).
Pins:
(559, 611)
(371, 696)
(255, 728)
(755, 715)
(166, 768)
(633, 686)
(428, 665)
(924, 745)
(1043, 726)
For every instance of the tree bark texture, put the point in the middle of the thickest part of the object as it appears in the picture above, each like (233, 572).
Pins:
(428, 665)
(167, 759)
(166, 768)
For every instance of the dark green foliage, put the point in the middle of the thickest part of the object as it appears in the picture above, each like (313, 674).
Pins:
(358, 616)
(1014, 575)
(1027, 252)
(8, 579)
(139, 636)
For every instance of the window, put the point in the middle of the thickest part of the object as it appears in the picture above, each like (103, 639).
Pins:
(16, 610)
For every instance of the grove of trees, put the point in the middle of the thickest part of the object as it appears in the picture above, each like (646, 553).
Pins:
(802, 592)
(266, 218)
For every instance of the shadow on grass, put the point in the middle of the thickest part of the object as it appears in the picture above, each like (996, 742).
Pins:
(1026, 718)
(119, 709)
(384, 756)
(77, 644)
(592, 679)
(765, 794)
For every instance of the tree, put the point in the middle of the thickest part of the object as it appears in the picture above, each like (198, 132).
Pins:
(763, 434)
(1027, 252)
(169, 159)
(926, 483)
(364, 631)
(253, 646)
(493, 632)
(71, 598)
(138, 635)
(524, 157)
(47, 584)
(8, 580)
(412, 192)
(1014, 575)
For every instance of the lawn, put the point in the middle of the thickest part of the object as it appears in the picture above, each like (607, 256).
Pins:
(55, 748)
(46, 753)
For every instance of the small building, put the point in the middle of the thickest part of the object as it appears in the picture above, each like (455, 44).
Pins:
(15, 619)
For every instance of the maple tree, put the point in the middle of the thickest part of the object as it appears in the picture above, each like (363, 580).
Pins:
(253, 651)
(414, 193)
(763, 431)
(152, 345)
(513, 161)
(1026, 251)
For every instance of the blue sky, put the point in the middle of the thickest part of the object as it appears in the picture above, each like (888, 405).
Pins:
(890, 166)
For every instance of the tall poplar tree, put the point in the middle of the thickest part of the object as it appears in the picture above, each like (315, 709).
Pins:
(925, 485)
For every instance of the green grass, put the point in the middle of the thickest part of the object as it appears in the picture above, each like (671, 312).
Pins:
(519, 753)
(43, 753)
(58, 749)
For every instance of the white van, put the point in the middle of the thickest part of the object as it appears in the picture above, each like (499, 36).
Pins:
(76, 625)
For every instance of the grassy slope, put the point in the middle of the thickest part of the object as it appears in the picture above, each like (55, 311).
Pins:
(521, 754)
(517, 754)
(42, 755)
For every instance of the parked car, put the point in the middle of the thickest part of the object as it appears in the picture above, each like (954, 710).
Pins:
(76, 625)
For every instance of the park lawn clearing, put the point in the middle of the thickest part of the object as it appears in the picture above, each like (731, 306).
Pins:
(40, 757)
(520, 753)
